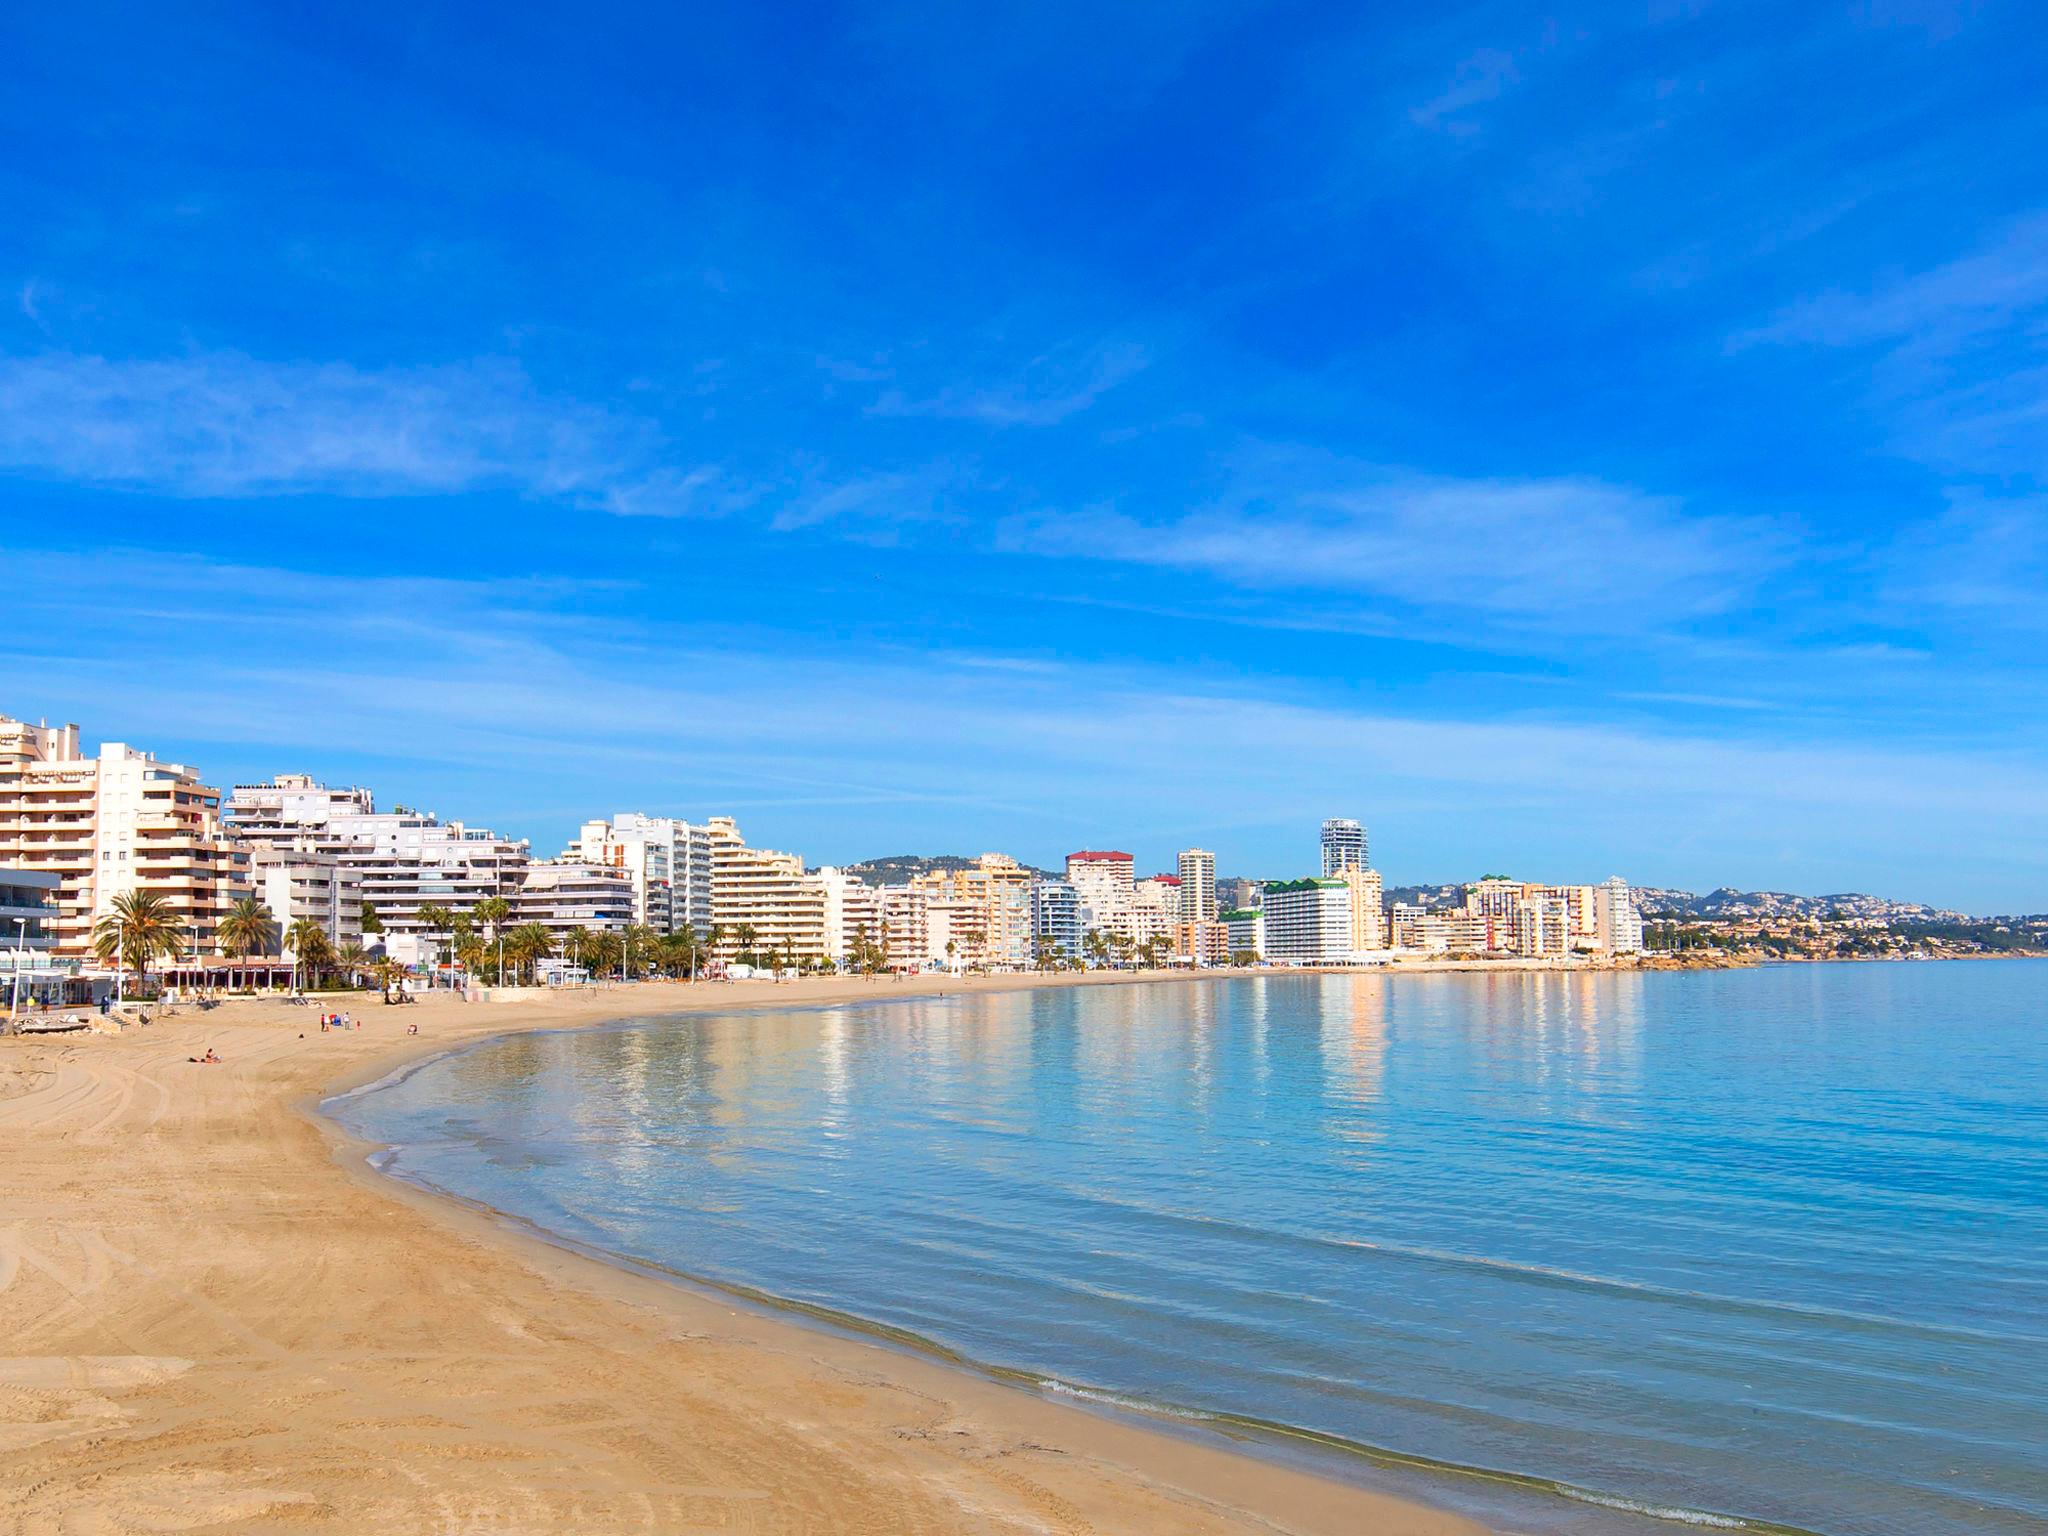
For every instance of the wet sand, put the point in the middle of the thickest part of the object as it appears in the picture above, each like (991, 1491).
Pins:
(215, 1317)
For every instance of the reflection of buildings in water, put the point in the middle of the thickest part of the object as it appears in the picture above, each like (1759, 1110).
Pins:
(832, 1048)
(1258, 1021)
(1572, 1036)
(1354, 1046)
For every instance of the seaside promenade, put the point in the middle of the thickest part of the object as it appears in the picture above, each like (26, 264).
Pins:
(218, 1318)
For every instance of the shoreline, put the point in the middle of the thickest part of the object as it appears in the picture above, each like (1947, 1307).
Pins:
(224, 1313)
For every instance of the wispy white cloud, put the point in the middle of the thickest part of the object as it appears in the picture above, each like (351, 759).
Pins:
(1960, 352)
(1985, 559)
(224, 424)
(1936, 311)
(1572, 554)
(1043, 392)
(1481, 77)
(865, 504)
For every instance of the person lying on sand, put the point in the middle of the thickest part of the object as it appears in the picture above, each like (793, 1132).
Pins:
(208, 1060)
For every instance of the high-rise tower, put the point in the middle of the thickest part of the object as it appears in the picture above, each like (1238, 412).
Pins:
(1344, 846)
(1197, 885)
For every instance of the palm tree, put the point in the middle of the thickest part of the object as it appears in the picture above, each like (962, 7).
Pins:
(576, 944)
(307, 942)
(389, 974)
(352, 958)
(248, 929)
(692, 947)
(138, 926)
(601, 951)
(743, 934)
(492, 912)
(436, 919)
(638, 940)
(472, 951)
(529, 943)
(1097, 946)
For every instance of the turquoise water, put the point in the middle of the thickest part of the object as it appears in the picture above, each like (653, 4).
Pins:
(1768, 1243)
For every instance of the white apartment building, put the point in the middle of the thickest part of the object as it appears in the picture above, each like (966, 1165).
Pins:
(1542, 928)
(400, 860)
(1308, 922)
(112, 824)
(1579, 913)
(1344, 846)
(1154, 911)
(769, 895)
(924, 931)
(289, 811)
(853, 913)
(1247, 929)
(1457, 932)
(1197, 868)
(667, 860)
(1101, 877)
(563, 895)
(298, 884)
(1618, 924)
(1058, 917)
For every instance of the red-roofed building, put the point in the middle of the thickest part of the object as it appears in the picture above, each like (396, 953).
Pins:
(1102, 879)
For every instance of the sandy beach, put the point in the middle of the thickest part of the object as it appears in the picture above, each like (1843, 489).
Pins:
(218, 1318)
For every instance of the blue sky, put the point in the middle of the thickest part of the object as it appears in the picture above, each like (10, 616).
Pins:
(1574, 441)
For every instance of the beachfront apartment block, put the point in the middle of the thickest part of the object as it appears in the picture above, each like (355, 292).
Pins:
(1308, 922)
(764, 902)
(667, 860)
(304, 885)
(1368, 908)
(1059, 919)
(565, 895)
(289, 810)
(1617, 922)
(394, 862)
(992, 902)
(854, 919)
(1201, 943)
(1247, 929)
(1155, 909)
(1102, 879)
(113, 823)
(1197, 867)
(1344, 846)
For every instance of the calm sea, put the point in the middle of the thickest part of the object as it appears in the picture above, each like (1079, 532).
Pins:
(1768, 1244)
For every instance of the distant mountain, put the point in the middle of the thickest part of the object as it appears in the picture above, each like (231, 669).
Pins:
(1729, 902)
(1723, 903)
(897, 868)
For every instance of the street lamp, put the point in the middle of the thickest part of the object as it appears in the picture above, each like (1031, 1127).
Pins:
(20, 953)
